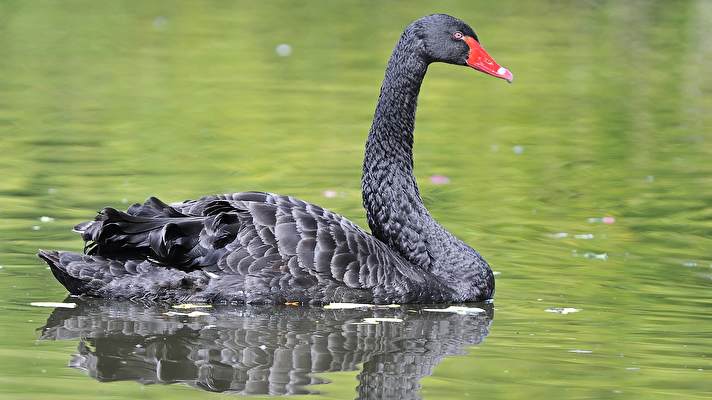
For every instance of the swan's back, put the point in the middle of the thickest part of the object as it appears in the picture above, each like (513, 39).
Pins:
(247, 247)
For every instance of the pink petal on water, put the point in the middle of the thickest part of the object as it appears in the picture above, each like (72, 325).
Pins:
(608, 220)
(330, 194)
(439, 179)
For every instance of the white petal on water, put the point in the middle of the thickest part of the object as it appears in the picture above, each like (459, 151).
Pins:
(187, 306)
(596, 256)
(351, 306)
(346, 306)
(585, 236)
(562, 310)
(689, 264)
(577, 351)
(518, 149)
(53, 305)
(35, 227)
(376, 320)
(160, 22)
(45, 218)
(457, 310)
(495, 273)
(283, 50)
(559, 235)
(191, 314)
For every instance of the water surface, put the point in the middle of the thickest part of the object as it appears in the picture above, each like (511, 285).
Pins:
(609, 117)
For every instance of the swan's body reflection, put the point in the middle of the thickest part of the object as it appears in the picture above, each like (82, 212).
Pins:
(264, 350)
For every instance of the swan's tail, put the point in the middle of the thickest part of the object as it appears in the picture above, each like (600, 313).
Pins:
(131, 233)
(160, 233)
(132, 279)
(76, 272)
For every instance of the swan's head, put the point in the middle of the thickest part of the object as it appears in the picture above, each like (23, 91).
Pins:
(449, 40)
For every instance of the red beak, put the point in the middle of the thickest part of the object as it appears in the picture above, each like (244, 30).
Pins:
(481, 61)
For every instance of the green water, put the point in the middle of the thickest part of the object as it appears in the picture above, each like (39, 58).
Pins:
(107, 103)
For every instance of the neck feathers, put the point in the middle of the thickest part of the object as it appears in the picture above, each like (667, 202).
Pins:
(394, 209)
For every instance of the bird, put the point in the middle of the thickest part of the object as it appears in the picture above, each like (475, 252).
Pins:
(267, 248)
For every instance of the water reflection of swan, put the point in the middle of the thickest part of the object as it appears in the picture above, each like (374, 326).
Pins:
(264, 350)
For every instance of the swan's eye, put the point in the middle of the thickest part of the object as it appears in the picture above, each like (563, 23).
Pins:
(458, 35)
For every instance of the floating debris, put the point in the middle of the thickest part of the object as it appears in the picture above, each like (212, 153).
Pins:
(352, 306)
(577, 351)
(559, 235)
(689, 264)
(602, 220)
(283, 50)
(496, 273)
(585, 236)
(160, 22)
(36, 227)
(596, 256)
(330, 194)
(457, 310)
(439, 180)
(562, 310)
(376, 320)
(188, 306)
(53, 305)
(518, 149)
(292, 303)
(45, 219)
(191, 314)
(632, 369)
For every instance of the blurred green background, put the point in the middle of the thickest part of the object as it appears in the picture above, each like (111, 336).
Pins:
(610, 115)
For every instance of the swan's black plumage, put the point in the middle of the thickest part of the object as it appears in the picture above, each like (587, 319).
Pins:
(266, 248)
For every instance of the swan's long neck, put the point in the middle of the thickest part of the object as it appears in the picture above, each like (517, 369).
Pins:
(394, 209)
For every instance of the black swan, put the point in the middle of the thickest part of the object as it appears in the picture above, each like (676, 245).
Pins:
(254, 247)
